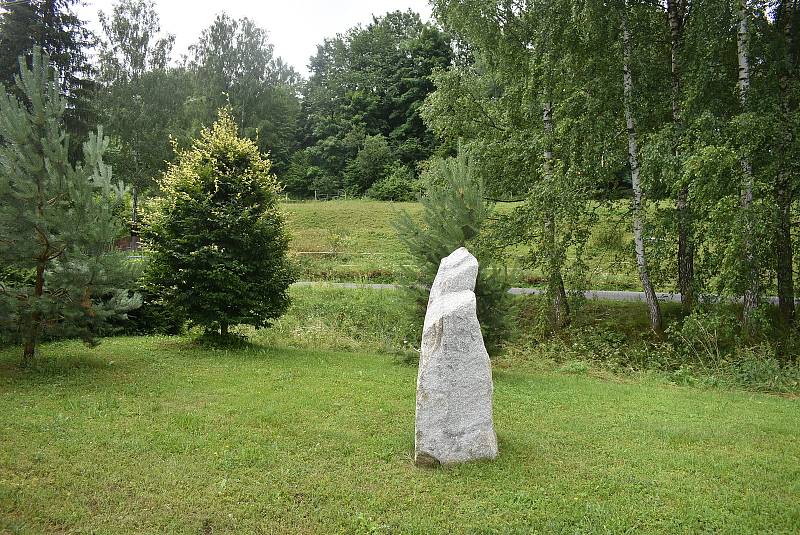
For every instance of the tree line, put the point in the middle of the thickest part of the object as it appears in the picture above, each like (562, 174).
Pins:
(678, 116)
(354, 122)
(689, 108)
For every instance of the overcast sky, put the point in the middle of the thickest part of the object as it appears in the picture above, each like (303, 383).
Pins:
(295, 26)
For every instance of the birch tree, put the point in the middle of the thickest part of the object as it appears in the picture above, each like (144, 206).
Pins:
(752, 290)
(654, 309)
(505, 104)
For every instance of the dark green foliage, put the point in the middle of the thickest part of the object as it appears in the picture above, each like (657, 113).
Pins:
(52, 26)
(454, 213)
(156, 315)
(398, 185)
(234, 65)
(58, 221)
(371, 164)
(217, 245)
(369, 82)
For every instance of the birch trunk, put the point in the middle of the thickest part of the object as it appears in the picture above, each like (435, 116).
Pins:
(555, 284)
(654, 309)
(751, 293)
(676, 11)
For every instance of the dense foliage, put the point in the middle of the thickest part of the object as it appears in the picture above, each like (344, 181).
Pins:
(216, 238)
(454, 211)
(57, 220)
(52, 26)
(694, 103)
(147, 103)
(688, 109)
(361, 104)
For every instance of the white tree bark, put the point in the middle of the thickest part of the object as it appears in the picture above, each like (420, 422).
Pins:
(653, 306)
(751, 293)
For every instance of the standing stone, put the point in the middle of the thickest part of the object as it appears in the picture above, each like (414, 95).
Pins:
(454, 384)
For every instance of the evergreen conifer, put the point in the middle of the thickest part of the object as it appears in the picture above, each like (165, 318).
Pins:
(58, 220)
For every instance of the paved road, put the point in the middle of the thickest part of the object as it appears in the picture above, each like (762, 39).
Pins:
(594, 295)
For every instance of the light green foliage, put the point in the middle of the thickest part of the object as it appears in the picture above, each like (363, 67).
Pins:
(698, 140)
(521, 65)
(216, 239)
(158, 435)
(57, 220)
(454, 212)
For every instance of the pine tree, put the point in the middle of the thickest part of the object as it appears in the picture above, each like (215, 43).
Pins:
(216, 239)
(52, 26)
(57, 220)
(453, 214)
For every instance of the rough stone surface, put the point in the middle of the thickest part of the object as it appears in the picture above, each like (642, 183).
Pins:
(454, 385)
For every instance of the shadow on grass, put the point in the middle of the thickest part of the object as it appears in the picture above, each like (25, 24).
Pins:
(56, 363)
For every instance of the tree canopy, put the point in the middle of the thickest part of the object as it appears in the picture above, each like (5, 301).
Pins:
(369, 82)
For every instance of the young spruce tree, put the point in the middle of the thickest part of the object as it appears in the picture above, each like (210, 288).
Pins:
(216, 237)
(57, 220)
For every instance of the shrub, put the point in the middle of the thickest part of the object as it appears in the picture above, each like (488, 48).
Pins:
(370, 165)
(156, 315)
(218, 248)
(400, 185)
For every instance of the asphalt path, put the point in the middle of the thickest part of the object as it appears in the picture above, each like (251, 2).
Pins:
(594, 295)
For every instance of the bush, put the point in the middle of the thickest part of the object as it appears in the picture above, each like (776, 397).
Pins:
(218, 248)
(400, 185)
(156, 315)
(705, 336)
(370, 165)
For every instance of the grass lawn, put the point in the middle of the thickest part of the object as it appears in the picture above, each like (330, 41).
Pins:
(361, 245)
(348, 240)
(154, 435)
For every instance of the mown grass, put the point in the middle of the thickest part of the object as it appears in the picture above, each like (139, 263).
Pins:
(354, 240)
(157, 435)
(291, 434)
(349, 240)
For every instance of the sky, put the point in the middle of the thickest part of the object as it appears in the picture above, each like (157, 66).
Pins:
(295, 26)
